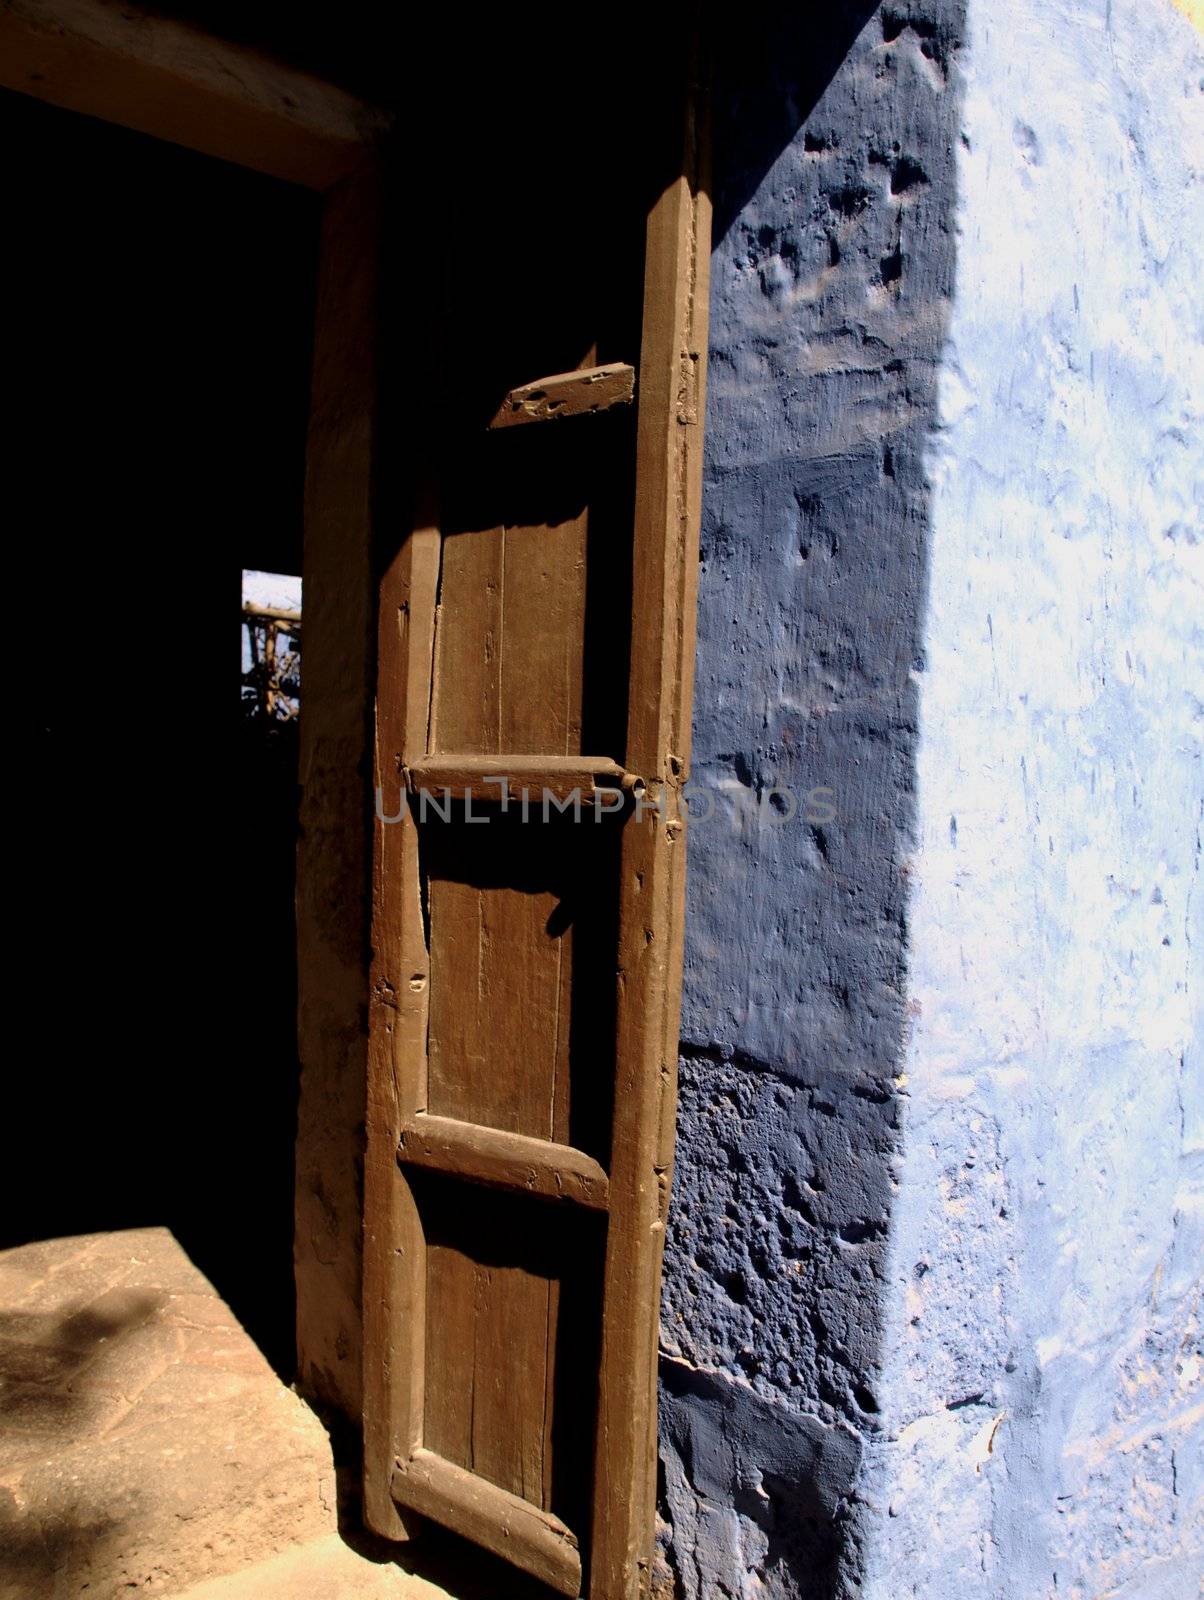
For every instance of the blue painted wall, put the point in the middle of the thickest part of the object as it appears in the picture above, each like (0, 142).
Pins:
(928, 1322)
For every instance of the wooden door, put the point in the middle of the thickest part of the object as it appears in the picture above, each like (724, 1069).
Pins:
(533, 720)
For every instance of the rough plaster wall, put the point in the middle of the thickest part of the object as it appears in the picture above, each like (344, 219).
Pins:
(834, 189)
(1043, 1382)
(929, 1320)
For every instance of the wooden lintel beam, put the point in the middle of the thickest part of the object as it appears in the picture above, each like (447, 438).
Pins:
(503, 1159)
(476, 1509)
(567, 394)
(174, 82)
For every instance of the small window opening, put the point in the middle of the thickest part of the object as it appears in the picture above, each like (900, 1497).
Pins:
(271, 648)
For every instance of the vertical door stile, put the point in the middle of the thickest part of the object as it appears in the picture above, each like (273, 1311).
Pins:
(394, 1246)
(652, 895)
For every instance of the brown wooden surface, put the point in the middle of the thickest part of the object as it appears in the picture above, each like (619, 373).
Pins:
(519, 1281)
(509, 1160)
(172, 81)
(559, 641)
(522, 923)
(664, 600)
(567, 394)
(394, 1253)
(467, 714)
(334, 844)
(559, 776)
(502, 1522)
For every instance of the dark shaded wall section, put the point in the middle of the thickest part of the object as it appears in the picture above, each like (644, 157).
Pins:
(157, 310)
(832, 269)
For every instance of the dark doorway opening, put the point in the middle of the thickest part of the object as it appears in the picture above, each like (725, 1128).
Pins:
(157, 314)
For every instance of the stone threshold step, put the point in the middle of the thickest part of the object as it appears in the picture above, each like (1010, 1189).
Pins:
(326, 1569)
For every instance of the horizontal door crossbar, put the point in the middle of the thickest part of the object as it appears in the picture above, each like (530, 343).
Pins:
(476, 1509)
(500, 778)
(567, 394)
(506, 1160)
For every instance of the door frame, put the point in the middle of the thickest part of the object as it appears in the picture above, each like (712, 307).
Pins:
(176, 83)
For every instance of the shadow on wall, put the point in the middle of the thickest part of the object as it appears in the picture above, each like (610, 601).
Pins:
(834, 144)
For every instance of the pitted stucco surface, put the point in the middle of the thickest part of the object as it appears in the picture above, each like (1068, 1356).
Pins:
(930, 1319)
(834, 189)
(1046, 1244)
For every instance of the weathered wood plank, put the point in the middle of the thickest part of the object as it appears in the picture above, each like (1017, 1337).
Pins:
(481, 778)
(543, 629)
(504, 1523)
(567, 394)
(508, 1160)
(334, 849)
(502, 1268)
(395, 1267)
(466, 712)
(668, 501)
(510, 1378)
(174, 82)
(394, 1264)
(495, 998)
(451, 1338)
